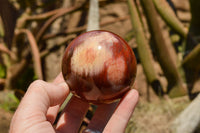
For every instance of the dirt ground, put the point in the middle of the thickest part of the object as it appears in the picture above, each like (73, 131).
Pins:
(5, 118)
(152, 115)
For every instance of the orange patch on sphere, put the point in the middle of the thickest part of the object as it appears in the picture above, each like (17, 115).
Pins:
(116, 69)
(89, 55)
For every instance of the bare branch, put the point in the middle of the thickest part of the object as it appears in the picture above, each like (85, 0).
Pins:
(59, 44)
(4, 49)
(45, 15)
(35, 52)
(83, 28)
(53, 18)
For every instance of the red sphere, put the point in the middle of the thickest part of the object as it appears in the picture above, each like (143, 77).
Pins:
(99, 67)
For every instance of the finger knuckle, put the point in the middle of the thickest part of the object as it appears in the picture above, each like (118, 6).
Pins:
(37, 84)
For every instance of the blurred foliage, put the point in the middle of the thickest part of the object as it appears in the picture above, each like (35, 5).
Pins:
(2, 71)
(10, 103)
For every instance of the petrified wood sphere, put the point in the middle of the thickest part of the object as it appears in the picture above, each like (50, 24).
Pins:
(99, 67)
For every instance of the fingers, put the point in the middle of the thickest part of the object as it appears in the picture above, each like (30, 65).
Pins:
(39, 96)
(72, 116)
(122, 114)
(53, 111)
(101, 117)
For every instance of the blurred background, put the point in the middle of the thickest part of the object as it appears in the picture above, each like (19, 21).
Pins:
(164, 35)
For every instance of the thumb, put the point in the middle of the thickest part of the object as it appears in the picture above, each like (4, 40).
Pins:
(41, 95)
(38, 98)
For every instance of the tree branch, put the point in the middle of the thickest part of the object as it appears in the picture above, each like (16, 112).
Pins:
(53, 18)
(59, 44)
(35, 52)
(83, 28)
(4, 49)
(44, 15)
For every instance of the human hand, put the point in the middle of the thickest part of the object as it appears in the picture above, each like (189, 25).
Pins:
(40, 105)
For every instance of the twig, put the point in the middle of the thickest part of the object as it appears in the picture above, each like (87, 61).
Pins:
(45, 15)
(114, 20)
(60, 43)
(83, 28)
(53, 18)
(4, 49)
(35, 52)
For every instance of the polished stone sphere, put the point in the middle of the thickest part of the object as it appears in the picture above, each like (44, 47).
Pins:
(99, 67)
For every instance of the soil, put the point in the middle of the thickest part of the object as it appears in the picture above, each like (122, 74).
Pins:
(5, 118)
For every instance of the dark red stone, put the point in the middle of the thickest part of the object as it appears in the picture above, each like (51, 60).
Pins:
(99, 67)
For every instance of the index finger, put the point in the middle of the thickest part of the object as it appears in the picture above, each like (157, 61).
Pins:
(53, 111)
(122, 114)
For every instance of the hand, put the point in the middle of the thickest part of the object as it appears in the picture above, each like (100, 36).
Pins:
(40, 105)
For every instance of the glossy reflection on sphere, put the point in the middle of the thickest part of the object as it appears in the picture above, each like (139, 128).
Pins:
(99, 67)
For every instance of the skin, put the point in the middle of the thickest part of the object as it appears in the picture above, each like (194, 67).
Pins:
(39, 107)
